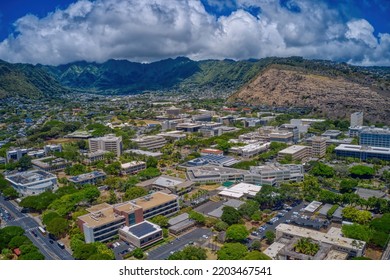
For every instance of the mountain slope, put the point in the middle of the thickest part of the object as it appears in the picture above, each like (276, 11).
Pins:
(335, 95)
(27, 81)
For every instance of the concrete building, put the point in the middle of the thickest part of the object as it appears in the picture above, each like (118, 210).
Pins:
(296, 152)
(376, 137)
(333, 238)
(52, 148)
(180, 224)
(356, 119)
(158, 203)
(132, 167)
(142, 234)
(103, 221)
(355, 131)
(144, 153)
(88, 178)
(293, 129)
(274, 174)
(168, 183)
(240, 190)
(250, 150)
(188, 127)
(153, 142)
(215, 174)
(363, 152)
(213, 160)
(282, 136)
(15, 154)
(94, 157)
(216, 152)
(32, 182)
(318, 146)
(173, 111)
(332, 134)
(173, 135)
(109, 143)
(51, 164)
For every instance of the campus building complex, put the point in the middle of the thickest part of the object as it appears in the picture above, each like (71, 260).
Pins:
(376, 137)
(363, 152)
(32, 182)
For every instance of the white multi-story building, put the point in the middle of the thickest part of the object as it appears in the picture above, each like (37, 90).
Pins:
(132, 167)
(356, 119)
(109, 143)
(153, 142)
(274, 174)
(297, 152)
(32, 182)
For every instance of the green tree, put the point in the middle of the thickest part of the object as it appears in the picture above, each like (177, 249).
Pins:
(138, 253)
(347, 185)
(25, 163)
(362, 171)
(230, 215)
(160, 220)
(189, 253)
(322, 170)
(49, 216)
(198, 217)
(256, 245)
(58, 226)
(151, 162)
(10, 193)
(232, 251)
(356, 231)
(149, 173)
(270, 235)
(237, 233)
(135, 192)
(84, 251)
(34, 255)
(256, 255)
(18, 241)
(248, 208)
(221, 226)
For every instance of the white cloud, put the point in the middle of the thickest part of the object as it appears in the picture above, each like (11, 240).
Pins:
(149, 30)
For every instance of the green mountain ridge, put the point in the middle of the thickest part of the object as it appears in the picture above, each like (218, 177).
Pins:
(180, 74)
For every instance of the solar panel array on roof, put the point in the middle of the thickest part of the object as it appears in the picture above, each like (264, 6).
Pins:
(142, 229)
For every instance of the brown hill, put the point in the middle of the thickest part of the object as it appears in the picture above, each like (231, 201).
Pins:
(334, 97)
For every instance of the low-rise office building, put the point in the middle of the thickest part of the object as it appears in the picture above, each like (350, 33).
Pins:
(332, 134)
(52, 148)
(88, 178)
(94, 157)
(274, 174)
(51, 164)
(173, 135)
(180, 224)
(142, 234)
(153, 142)
(363, 152)
(32, 182)
(297, 152)
(188, 127)
(144, 153)
(282, 136)
(103, 221)
(168, 183)
(215, 174)
(240, 190)
(132, 167)
(333, 238)
(15, 154)
(293, 129)
(250, 150)
(376, 137)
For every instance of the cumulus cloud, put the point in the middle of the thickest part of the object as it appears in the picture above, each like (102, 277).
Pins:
(149, 30)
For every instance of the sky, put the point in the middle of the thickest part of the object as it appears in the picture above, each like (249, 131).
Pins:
(56, 32)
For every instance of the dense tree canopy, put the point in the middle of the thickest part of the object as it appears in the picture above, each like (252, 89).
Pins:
(189, 253)
(237, 233)
(232, 251)
(230, 215)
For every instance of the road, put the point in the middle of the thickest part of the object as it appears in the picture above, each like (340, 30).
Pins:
(29, 224)
(163, 252)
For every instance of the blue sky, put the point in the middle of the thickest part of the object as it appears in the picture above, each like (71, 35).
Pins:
(62, 31)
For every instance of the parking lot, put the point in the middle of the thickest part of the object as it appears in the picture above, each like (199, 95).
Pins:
(121, 248)
(164, 251)
(285, 216)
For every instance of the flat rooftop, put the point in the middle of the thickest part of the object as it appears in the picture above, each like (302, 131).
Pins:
(131, 164)
(154, 199)
(87, 176)
(30, 177)
(333, 236)
(376, 130)
(146, 153)
(359, 148)
(272, 167)
(313, 206)
(293, 149)
(240, 190)
(142, 229)
(209, 170)
(100, 215)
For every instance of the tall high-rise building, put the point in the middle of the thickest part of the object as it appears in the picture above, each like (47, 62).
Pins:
(109, 143)
(356, 119)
